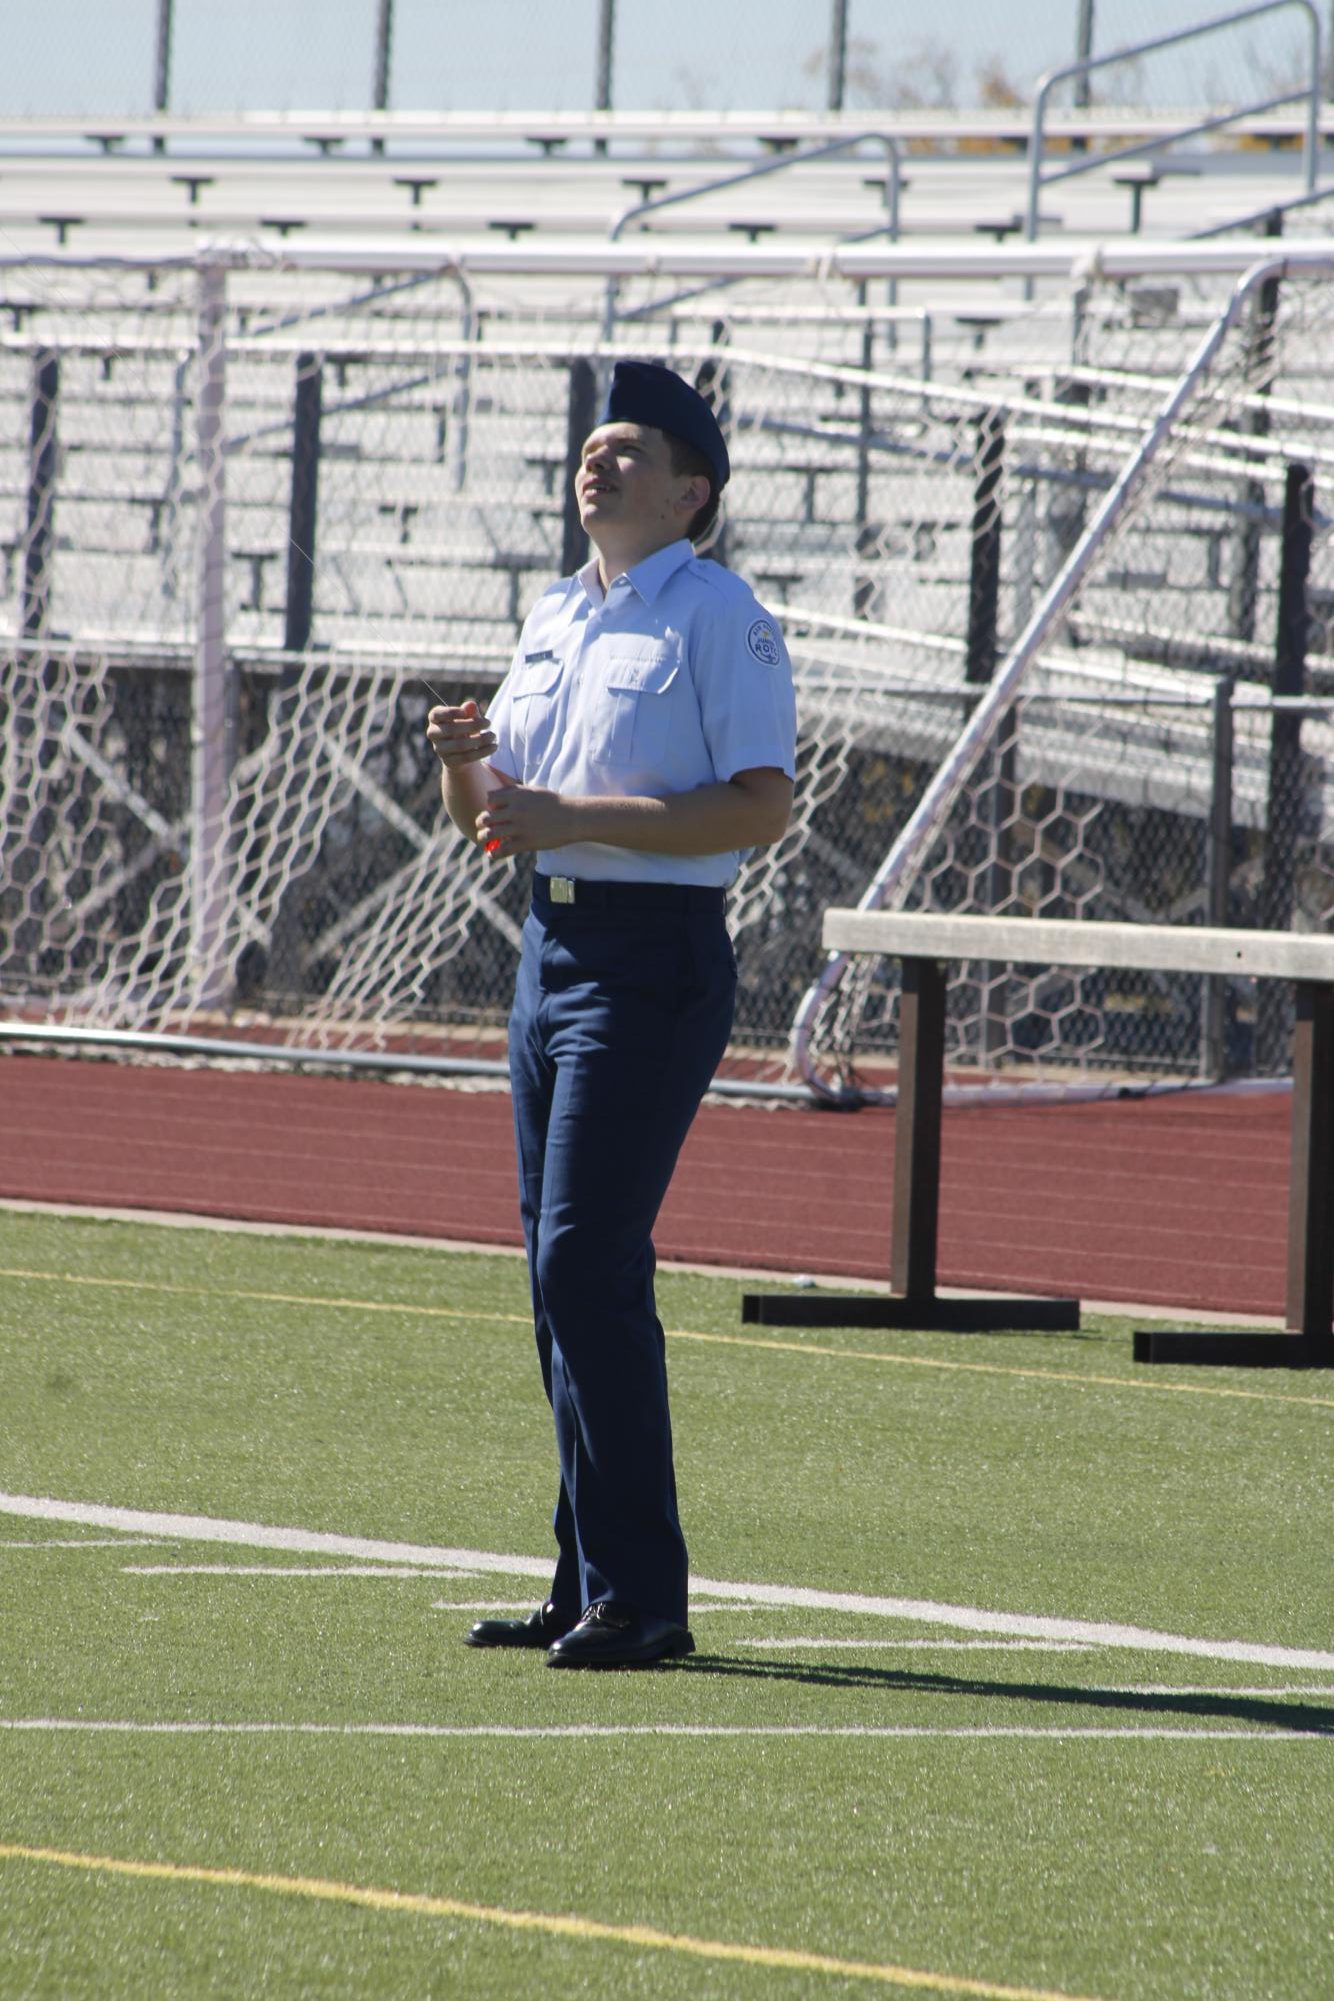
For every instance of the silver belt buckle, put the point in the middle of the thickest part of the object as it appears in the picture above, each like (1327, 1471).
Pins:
(561, 889)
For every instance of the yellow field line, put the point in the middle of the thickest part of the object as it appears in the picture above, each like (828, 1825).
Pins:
(644, 1937)
(1067, 1378)
(270, 1298)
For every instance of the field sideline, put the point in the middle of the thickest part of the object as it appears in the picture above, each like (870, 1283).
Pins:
(1014, 1673)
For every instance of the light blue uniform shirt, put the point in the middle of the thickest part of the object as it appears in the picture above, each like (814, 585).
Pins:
(677, 678)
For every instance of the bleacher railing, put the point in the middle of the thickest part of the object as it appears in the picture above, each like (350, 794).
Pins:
(1039, 176)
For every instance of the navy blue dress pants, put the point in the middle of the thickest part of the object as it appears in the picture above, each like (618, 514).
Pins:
(621, 1014)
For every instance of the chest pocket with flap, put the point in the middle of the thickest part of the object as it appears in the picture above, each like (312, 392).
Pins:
(533, 694)
(635, 704)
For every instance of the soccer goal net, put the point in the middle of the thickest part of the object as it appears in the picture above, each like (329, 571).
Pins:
(254, 511)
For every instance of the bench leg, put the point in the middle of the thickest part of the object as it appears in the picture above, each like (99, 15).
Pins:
(915, 1207)
(916, 1211)
(1309, 1340)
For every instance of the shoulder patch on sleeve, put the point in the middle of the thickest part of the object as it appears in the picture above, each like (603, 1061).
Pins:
(762, 642)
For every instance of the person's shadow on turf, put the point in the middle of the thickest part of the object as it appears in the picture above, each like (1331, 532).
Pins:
(1315, 1719)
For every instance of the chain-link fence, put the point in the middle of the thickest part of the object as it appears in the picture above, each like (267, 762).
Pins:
(244, 512)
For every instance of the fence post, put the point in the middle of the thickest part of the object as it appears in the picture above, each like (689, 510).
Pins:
(213, 710)
(461, 409)
(713, 381)
(304, 504)
(1244, 576)
(1284, 794)
(865, 589)
(979, 666)
(43, 461)
(578, 423)
(1083, 92)
(864, 413)
(838, 54)
(162, 67)
(1218, 880)
(1067, 509)
(384, 36)
(984, 564)
(602, 79)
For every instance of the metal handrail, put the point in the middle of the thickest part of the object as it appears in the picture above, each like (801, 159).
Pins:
(1087, 64)
(893, 187)
(1262, 215)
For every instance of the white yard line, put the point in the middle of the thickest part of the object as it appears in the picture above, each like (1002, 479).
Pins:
(526, 1605)
(257, 1535)
(1213, 1688)
(1056, 1732)
(393, 1571)
(87, 1542)
(512, 1605)
(923, 1611)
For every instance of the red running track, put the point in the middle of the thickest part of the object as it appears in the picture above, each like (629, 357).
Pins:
(1168, 1201)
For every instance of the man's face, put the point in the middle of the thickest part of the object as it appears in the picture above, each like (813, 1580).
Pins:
(625, 485)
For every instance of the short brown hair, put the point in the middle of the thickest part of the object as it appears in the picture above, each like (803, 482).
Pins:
(688, 462)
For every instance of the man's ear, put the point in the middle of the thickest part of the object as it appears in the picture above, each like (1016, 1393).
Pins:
(693, 497)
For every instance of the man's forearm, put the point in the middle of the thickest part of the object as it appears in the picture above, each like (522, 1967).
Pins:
(744, 812)
(463, 740)
(708, 821)
(465, 790)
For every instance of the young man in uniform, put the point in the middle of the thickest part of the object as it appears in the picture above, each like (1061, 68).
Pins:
(643, 740)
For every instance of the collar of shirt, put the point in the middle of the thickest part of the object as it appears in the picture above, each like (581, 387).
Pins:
(646, 578)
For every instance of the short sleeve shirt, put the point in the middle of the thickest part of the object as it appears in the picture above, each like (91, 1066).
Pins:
(677, 678)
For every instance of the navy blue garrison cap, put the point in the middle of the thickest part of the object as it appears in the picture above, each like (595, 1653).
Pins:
(643, 392)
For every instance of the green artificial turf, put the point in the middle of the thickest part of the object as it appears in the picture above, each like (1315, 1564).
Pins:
(378, 1391)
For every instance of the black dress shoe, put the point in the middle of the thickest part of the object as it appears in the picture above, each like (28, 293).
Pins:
(613, 1636)
(539, 1629)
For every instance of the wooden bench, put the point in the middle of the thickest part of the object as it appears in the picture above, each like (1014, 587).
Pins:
(925, 943)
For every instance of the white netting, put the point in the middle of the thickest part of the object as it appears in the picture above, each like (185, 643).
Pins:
(235, 539)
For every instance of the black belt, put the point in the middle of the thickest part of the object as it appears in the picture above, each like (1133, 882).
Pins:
(573, 892)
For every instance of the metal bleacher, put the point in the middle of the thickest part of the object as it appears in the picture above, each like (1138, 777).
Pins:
(155, 182)
(466, 563)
